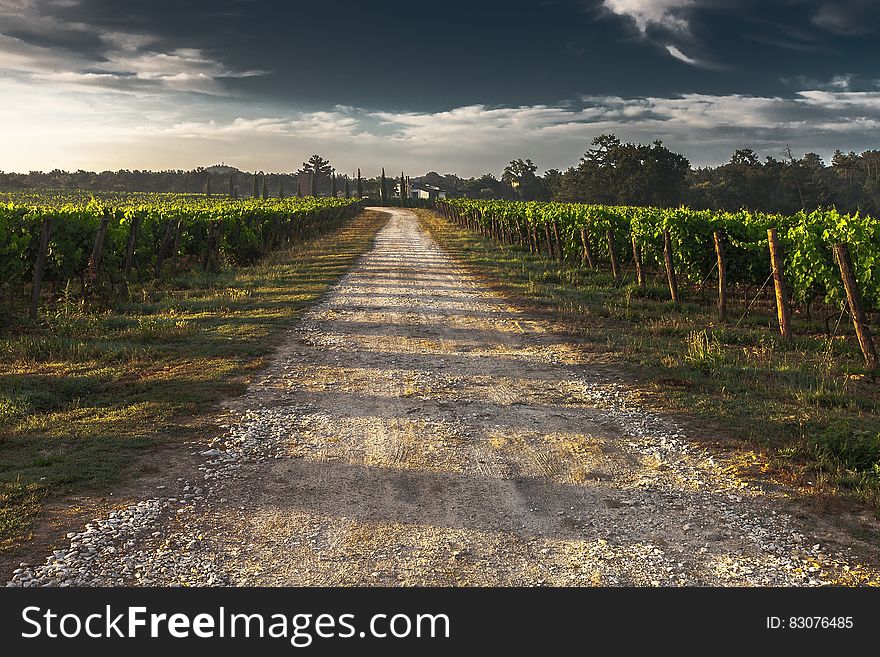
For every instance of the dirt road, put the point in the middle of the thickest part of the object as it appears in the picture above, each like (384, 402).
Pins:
(415, 429)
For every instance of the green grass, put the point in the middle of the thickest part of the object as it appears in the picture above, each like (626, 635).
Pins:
(808, 407)
(84, 392)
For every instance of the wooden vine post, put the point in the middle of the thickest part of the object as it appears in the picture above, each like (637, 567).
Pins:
(615, 269)
(132, 241)
(637, 259)
(856, 309)
(779, 284)
(211, 257)
(176, 247)
(167, 241)
(550, 251)
(588, 252)
(209, 240)
(670, 268)
(218, 242)
(97, 251)
(40, 266)
(722, 277)
(558, 241)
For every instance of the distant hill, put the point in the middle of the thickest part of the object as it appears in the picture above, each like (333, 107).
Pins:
(222, 168)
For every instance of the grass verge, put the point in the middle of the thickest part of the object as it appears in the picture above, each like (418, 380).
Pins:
(808, 406)
(83, 393)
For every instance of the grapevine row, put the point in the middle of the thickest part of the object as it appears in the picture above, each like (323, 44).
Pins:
(105, 243)
(693, 245)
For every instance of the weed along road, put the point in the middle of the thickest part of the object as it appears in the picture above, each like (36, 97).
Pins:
(413, 428)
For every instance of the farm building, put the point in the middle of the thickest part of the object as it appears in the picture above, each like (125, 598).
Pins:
(422, 190)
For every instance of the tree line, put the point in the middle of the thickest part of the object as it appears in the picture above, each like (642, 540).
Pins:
(610, 172)
(315, 178)
(617, 173)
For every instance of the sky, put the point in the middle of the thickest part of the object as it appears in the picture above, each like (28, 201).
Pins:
(453, 86)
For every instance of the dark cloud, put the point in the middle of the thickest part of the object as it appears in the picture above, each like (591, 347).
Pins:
(849, 17)
(700, 31)
(424, 56)
(76, 42)
(460, 82)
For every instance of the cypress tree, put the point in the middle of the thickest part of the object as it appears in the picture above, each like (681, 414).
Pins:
(402, 189)
(256, 185)
(231, 186)
(208, 185)
(383, 189)
(265, 190)
(347, 188)
(281, 189)
(333, 185)
(360, 186)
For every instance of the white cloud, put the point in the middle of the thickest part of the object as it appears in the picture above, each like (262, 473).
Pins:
(841, 82)
(668, 14)
(48, 126)
(19, 56)
(679, 55)
(867, 102)
(116, 60)
(671, 17)
(331, 125)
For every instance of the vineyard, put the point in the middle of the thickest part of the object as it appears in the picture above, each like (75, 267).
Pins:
(818, 258)
(154, 311)
(90, 246)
